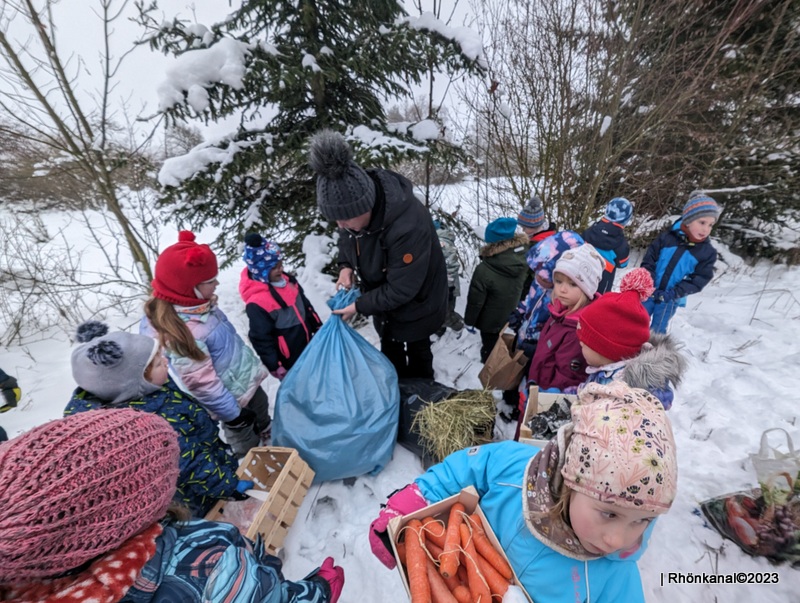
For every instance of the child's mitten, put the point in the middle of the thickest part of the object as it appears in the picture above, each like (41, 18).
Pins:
(401, 502)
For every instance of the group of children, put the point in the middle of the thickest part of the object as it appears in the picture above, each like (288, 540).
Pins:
(587, 500)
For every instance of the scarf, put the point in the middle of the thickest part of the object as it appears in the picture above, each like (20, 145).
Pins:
(106, 580)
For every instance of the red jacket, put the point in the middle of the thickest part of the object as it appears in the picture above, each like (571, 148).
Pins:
(558, 361)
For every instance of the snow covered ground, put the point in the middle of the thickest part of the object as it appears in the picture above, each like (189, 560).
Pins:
(740, 335)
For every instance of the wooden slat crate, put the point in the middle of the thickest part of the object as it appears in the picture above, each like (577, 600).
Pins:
(286, 477)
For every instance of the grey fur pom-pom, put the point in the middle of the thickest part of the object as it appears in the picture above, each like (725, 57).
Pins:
(105, 353)
(329, 154)
(89, 330)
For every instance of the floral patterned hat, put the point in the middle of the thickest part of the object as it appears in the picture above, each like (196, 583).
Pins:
(622, 449)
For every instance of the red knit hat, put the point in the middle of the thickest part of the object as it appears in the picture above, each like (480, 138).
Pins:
(181, 267)
(79, 487)
(616, 325)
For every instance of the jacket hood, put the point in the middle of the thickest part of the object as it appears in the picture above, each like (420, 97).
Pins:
(492, 249)
(396, 189)
(658, 364)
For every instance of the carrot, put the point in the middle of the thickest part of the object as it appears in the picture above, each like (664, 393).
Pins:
(434, 550)
(448, 562)
(485, 548)
(461, 593)
(439, 591)
(477, 585)
(416, 564)
(401, 551)
(434, 531)
(497, 584)
(461, 574)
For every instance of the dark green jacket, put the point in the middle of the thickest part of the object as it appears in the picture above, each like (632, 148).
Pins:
(496, 284)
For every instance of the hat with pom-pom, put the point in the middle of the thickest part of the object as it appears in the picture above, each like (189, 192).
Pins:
(620, 448)
(261, 256)
(79, 487)
(344, 189)
(619, 210)
(584, 266)
(617, 325)
(181, 267)
(111, 366)
(532, 215)
(698, 206)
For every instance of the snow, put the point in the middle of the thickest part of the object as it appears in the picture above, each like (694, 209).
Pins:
(427, 129)
(468, 39)
(605, 125)
(740, 335)
(192, 71)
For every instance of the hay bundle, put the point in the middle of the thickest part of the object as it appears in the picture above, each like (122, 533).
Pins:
(464, 419)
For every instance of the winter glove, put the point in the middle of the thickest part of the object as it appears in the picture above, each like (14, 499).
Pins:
(246, 418)
(11, 393)
(528, 347)
(279, 373)
(333, 575)
(401, 502)
(514, 320)
(663, 296)
(241, 487)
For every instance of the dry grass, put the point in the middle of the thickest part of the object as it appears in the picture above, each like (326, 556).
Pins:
(462, 420)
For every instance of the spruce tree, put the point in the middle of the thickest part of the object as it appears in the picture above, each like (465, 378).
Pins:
(309, 65)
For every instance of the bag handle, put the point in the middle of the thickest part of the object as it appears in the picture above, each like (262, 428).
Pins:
(764, 451)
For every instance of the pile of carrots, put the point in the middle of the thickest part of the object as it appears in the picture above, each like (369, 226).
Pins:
(453, 563)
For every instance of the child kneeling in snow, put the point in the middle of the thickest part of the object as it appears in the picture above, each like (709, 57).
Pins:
(282, 320)
(574, 517)
(123, 370)
(91, 518)
(614, 333)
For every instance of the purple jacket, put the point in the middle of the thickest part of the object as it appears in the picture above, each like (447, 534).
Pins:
(558, 361)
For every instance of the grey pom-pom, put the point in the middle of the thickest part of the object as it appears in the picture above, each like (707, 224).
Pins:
(254, 239)
(329, 155)
(534, 205)
(105, 353)
(89, 330)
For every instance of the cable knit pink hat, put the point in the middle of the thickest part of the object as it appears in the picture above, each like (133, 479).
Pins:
(78, 487)
(621, 449)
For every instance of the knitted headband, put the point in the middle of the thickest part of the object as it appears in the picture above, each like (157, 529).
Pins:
(699, 205)
(616, 325)
(532, 215)
(261, 256)
(78, 487)
(181, 267)
(584, 266)
(344, 189)
(621, 449)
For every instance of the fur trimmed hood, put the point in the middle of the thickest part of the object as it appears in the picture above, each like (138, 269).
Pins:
(501, 246)
(658, 364)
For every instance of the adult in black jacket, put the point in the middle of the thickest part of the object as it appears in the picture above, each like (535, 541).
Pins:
(387, 239)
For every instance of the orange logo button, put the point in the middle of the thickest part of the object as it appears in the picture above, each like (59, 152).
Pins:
(408, 258)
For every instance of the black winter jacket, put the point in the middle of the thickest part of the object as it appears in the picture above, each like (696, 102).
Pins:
(399, 262)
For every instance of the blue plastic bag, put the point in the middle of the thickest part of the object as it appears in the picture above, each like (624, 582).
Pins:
(339, 404)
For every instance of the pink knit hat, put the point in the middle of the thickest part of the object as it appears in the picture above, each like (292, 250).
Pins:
(621, 449)
(78, 487)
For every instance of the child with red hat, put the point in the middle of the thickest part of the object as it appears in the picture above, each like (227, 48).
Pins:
(204, 350)
(615, 338)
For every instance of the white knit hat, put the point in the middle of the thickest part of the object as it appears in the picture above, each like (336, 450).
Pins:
(584, 266)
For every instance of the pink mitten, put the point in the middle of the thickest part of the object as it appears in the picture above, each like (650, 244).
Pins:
(402, 502)
(279, 373)
(334, 576)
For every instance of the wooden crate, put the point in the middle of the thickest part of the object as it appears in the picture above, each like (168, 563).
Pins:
(538, 402)
(286, 477)
(441, 510)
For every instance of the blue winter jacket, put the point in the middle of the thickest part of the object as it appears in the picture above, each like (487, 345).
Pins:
(228, 377)
(203, 561)
(497, 471)
(207, 467)
(675, 263)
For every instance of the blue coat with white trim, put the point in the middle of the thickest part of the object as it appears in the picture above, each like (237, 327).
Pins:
(676, 263)
(497, 471)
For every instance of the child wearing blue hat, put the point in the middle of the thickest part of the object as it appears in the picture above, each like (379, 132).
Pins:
(496, 285)
(681, 260)
(608, 237)
(282, 320)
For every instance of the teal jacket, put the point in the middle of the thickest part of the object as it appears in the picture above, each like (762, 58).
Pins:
(497, 472)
